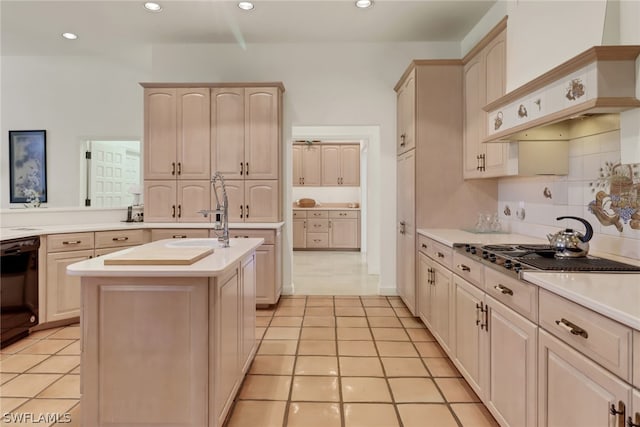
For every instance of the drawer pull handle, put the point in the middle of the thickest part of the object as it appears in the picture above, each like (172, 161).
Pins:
(620, 412)
(424, 246)
(573, 328)
(120, 239)
(463, 267)
(503, 289)
(173, 168)
(72, 242)
(246, 168)
(179, 236)
(440, 255)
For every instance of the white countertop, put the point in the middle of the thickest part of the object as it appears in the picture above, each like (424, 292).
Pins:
(449, 236)
(616, 296)
(7, 233)
(208, 266)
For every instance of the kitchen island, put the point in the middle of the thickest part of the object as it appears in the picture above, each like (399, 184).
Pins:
(166, 344)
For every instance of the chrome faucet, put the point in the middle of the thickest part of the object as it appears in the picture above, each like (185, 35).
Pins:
(221, 211)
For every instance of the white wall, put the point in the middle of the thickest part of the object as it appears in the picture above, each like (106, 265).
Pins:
(74, 99)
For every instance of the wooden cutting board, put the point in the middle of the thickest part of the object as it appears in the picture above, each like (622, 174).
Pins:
(160, 255)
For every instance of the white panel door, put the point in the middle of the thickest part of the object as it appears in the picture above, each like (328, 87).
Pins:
(114, 169)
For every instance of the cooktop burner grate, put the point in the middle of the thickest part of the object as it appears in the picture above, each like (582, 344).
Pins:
(498, 248)
(577, 264)
(533, 247)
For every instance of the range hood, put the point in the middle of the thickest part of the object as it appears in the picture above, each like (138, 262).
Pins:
(601, 80)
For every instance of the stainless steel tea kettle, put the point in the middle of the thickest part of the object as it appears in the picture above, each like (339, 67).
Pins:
(569, 243)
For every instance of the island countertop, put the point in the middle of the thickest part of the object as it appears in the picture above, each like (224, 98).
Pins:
(209, 266)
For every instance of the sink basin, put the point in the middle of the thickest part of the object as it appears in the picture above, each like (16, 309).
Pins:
(191, 243)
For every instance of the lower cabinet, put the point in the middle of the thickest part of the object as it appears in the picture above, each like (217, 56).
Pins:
(268, 263)
(496, 352)
(574, 391)
(63, 291)
(326, 229)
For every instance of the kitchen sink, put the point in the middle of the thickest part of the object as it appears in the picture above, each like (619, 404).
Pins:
(191, 243)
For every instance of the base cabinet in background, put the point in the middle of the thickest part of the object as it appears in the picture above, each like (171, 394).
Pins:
(326, 229)
(63, 291)
(268, 263)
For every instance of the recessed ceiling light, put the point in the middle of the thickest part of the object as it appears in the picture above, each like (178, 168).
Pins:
(70, 36)
(363, 4)
(152, 7)
(245, 5)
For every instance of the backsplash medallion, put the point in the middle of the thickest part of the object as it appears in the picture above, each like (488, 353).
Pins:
(616, 195)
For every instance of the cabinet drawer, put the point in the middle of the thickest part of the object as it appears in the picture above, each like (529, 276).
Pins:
(179, 233)
(424, 243)
(118, 238)
(468, 269)
(605, 341)
(317, 225)
(343, 214)
(267, 235)
(441, 253)
(516, 294)
(317, 214)
(69, 242)
(317, 240)
(297, 214)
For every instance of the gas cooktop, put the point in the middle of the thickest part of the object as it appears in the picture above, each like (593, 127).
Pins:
(519, 257)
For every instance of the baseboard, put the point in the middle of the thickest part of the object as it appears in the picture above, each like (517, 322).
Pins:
(384, 290)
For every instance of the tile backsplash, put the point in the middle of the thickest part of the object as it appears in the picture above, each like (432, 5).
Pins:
(595, 177)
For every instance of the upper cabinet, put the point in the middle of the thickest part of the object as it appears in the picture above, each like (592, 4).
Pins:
(341, 165)
(177, 130)
(306, 165)
(191, 133)
(245, 138)
(327, 165)
(406, 110)
(484, 81)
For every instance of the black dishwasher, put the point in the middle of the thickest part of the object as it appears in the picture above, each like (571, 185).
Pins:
(18, 288)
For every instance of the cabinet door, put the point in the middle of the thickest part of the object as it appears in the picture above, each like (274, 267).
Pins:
(423, 284)
(227, 132)
(311, 165)
(299, 233)
(406, 114)
(471, 356)
(495, 78)
(262, 133)
(228, 344)
(442, 299)
(63, 291)
(344, 233)
(261, 201)
(235, 195)
(350, 165)
(193, 196)
(296, 159)
(474, 100)
(330, 165)
(405, 254)
(194, 129)
(511, 390)
(634, 414)
(266, 292)
(160, 201)
(160, 133)
(573, 390)
(248, 312)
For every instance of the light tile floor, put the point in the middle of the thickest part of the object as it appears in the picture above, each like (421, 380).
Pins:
(322, 361)
(40, 379)
(332, 273)
(351, 362)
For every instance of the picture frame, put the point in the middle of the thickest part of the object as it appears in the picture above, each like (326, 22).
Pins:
(28, 167)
